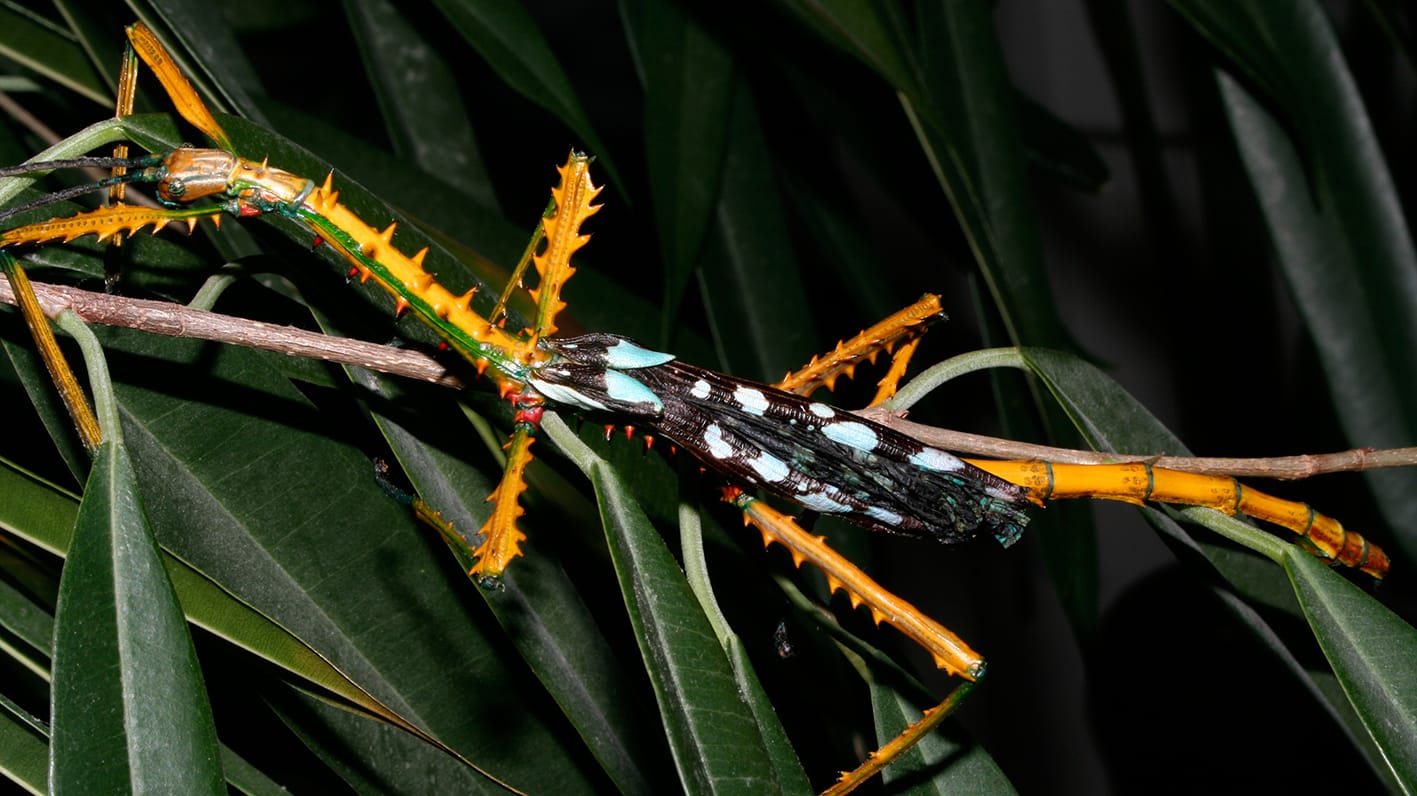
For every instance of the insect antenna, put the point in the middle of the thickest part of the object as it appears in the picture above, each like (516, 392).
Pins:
(139, 170)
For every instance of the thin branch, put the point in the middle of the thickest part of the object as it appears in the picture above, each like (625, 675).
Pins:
(1278, 467)
(176, 320)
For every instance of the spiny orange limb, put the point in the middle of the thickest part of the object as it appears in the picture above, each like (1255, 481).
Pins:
(501, 539)
(1140, 482)
(907, 324)
(902, 743)
(103, 223)
(900, 360)
(573, 199)
(948, 650)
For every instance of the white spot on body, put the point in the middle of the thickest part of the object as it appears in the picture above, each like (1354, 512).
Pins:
(855, 435)
(717, 446)
(1001, 494)
(753, 401)
(768, 467)
(819, 502)
(821, 410)
(700, 390)
(936, 460)
(881, 515)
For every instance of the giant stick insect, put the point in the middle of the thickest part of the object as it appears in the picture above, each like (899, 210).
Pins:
(757, 437)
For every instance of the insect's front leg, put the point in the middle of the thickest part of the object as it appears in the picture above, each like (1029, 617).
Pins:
(501, 539)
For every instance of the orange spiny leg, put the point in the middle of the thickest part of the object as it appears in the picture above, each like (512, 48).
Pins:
(1140, 482)
(899, 745)
(907, 324)
(948, 650)
(501, 539)
(900, 361)
(573, 199)
(105, 222)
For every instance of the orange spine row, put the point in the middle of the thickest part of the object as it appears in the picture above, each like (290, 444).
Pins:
(573, 199)
(404, 278)
(106, 222)
(948, 650)
(903, 325)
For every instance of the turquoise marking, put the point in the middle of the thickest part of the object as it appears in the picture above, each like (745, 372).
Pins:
(630, 390)
(628, 356)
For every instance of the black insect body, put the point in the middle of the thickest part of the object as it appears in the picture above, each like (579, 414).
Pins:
(805, 451)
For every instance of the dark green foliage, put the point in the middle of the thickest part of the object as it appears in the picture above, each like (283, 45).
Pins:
(779, 175)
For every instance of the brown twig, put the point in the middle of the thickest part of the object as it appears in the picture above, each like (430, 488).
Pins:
(1277, 467)
(176, 320)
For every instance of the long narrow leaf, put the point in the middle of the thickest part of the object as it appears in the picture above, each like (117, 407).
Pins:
(150, 727)
(713, 734)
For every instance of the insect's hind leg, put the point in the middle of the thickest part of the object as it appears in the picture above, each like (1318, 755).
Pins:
(948, 650)
(1139, 482)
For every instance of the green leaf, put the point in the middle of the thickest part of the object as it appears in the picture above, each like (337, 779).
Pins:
(1340, 236)
(418, 97)
(24, 748)
(221, 514)
(758, 300)
(48, 51)
(1363, 640)
(129, 707)
(714, 736)
(538, 605)
(1371, 650)
(689, 90)
(866, 31)
(505, 34)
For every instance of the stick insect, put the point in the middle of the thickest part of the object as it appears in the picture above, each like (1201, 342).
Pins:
(749, 432)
